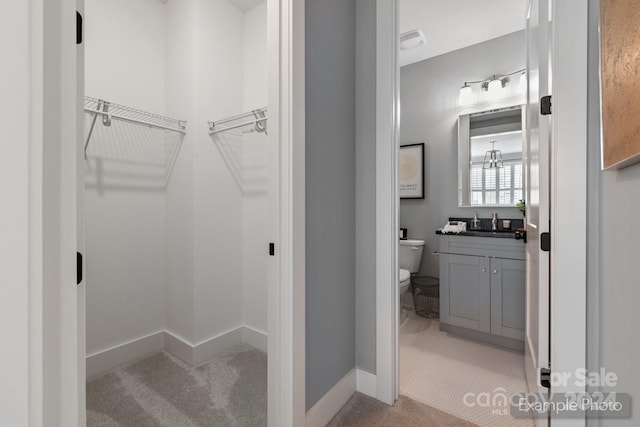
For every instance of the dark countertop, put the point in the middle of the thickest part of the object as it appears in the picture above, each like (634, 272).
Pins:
(485, 228)
(500, 234)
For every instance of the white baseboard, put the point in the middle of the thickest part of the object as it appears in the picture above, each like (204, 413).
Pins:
(164, 340)
(207, 349)
(254, 338)
(195, 354)
(179, 347)
(327, 407)
(366, 382)
(127, 352)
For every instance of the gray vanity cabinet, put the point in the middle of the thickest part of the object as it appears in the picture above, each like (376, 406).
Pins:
(508, 298)
(482, 288)
(466, 298)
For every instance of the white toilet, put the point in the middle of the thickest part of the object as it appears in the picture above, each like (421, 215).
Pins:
(409, 259)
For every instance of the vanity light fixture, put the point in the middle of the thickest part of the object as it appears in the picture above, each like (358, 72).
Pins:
(492, 158)
(494, 86)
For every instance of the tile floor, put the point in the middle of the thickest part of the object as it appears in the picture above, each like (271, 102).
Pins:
(438, 369)
(365, 411)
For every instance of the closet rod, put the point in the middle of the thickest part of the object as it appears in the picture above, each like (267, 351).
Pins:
(259, 115)
(259, 111)
(241, 125)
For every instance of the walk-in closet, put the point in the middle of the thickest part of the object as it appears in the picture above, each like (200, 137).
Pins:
(176, 206)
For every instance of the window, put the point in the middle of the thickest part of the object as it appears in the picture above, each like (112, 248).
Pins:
(498, 186)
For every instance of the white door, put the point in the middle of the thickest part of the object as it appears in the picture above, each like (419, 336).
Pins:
(537, 142)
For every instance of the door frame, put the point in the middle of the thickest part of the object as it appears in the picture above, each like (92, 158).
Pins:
(387, 200)
(47, 380)
(567, 198)
(43, 295)
(286, 293)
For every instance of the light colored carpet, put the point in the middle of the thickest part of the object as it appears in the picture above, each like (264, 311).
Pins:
(162, 390)
(438, 369)
(365, 411)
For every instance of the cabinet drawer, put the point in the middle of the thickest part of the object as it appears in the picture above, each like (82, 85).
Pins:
(482, 246)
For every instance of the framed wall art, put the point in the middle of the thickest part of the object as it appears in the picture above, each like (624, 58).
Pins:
(411, 171)
(620, 79)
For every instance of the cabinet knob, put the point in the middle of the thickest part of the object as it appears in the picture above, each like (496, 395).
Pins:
(495, 271)
(483, 270)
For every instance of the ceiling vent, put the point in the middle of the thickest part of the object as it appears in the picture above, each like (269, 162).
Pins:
(412, 39)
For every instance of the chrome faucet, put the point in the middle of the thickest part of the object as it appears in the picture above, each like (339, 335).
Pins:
(494, 221)
(475, 222)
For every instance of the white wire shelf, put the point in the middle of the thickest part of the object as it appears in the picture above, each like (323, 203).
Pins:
(257, 119)
(109, 111)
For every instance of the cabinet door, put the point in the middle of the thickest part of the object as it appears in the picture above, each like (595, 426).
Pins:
(465, 291)
(508, 298)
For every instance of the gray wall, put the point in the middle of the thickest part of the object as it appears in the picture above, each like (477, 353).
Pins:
(429, 114)
(365, 185)
(330, 194)
(613, 250)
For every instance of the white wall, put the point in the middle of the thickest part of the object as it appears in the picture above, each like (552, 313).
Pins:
(217, 198)
(124, 223)
(189, 258)
(218, 30)
(125, 52)
(255, 173)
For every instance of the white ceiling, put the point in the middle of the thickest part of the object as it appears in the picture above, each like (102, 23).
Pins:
(449, 25)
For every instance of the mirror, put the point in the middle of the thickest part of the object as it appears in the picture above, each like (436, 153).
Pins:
(490, 169)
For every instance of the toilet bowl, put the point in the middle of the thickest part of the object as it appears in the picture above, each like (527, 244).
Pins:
(409, 259)
(405, 280)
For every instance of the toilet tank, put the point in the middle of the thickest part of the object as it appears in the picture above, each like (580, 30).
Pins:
(410, 254)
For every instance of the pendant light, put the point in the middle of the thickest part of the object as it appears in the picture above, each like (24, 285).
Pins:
(492, 158)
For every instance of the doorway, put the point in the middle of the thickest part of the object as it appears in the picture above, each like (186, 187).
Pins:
(462, 320)
(176, 190)
(387, 377)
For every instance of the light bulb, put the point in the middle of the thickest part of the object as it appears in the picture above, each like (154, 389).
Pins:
(522, 84)
(465, 96)
(494, 87)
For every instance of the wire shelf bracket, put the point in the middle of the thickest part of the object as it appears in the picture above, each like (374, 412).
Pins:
(258, 120)
(110, 111)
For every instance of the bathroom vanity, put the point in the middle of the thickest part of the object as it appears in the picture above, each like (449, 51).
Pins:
(482, 287)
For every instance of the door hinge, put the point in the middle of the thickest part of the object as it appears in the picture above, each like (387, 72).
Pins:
(78, 268)
(78, 28)
(545, 105)
(545, 377)
(272, 249)
(545, 242)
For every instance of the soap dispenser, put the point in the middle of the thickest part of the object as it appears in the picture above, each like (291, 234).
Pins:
(475, 223)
